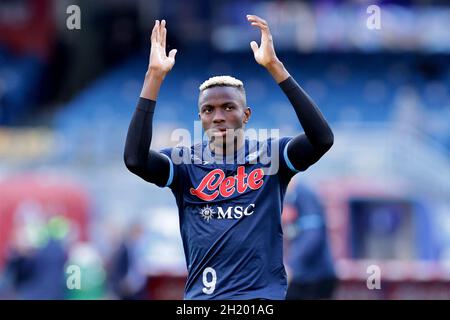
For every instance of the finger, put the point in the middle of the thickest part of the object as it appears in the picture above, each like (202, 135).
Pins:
(265, 32)
(160, 32)
(252, 17)
(163, 34)
(254, 46)
(153, 36)
(158, 36)
(172, 53)
(260, 25)
(257, 22)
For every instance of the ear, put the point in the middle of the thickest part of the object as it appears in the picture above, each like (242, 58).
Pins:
(247, 114)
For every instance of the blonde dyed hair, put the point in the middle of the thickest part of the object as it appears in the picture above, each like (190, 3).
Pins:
(222, 81)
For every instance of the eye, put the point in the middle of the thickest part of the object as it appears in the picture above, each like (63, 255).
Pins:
(229, 107)
(207, 110)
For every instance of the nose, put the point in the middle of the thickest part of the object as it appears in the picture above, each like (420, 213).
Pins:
(218, 116)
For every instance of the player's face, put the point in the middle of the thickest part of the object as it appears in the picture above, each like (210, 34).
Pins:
(222, 109)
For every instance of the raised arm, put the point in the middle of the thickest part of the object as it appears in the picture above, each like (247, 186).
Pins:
(304, 149)
(159, 63)
(150, 165)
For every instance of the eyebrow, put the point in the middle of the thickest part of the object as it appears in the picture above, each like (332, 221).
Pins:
(222, 105)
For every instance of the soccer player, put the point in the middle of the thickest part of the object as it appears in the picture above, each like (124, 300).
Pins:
(309, 257)
(229, 210)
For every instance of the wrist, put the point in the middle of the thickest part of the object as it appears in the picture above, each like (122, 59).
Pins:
(156, 75)
(152, 84)
(278, 71)
(274, 65)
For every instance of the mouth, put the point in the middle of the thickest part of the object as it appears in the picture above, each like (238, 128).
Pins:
(219, 132)
(220, 129)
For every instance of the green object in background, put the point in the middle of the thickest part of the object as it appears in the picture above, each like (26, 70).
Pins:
(92, 283)
(58, 227)
(85, 275)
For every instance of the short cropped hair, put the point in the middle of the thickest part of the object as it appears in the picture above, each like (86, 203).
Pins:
(221, 81)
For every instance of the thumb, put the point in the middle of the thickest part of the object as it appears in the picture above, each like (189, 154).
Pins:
(172, 53)
(254, 46)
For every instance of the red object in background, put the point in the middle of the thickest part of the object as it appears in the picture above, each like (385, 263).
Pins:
(27, 26)
(54, 196)
(166, 287)
(394, 290)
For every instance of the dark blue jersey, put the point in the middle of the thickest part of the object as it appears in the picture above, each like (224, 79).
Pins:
(230, 219)
(230, 213)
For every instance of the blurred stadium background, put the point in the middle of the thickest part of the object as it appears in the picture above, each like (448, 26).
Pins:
(67, 96)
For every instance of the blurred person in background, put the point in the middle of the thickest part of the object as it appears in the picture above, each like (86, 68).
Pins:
(310, 264)
(127, 276)
(19, 266)
(35, 266)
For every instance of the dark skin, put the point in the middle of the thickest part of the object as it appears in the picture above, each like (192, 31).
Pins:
(223, 109)
(160, 63)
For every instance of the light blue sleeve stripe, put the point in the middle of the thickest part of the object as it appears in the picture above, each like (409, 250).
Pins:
(169, 181)
(286, 158)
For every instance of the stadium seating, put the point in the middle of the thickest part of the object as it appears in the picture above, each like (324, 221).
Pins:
(368, 88)
(20, 79)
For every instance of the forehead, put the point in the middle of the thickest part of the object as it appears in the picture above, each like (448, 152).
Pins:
(220, 94)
